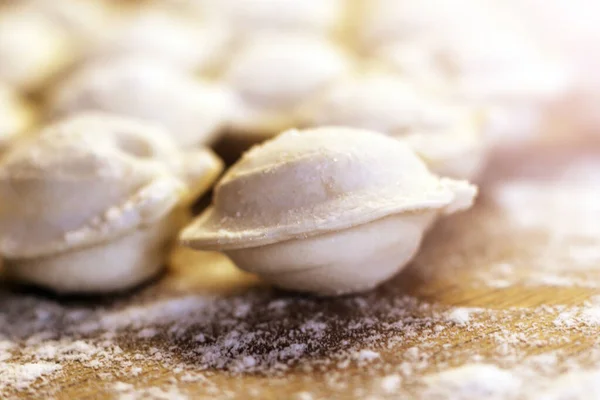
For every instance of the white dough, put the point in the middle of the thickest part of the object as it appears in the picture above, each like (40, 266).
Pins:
(192, 110)
(469, 52)
(326, 210)
(274, 76)
(182, 40)
(514, 84)
(86, 22)
(90, 203)
(120, 264)
(450, 139)
(33, 49)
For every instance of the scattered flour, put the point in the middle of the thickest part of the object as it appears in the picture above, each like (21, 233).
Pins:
(588, 315)
(566, 209)
(303, 396)
(127, 391)
(391, 383)
(460, 316)
(398, 337)
(21, 376)
(574, 385)
(472, 381)
(367, 355)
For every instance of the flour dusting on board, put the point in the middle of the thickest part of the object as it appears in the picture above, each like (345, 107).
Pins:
(472, 381)
(20, 376)
(562, 225)
(196, 338)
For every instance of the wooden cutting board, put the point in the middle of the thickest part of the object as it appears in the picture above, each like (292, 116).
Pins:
(502, 284)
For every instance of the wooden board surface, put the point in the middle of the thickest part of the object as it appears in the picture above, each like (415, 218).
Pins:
(509, 283)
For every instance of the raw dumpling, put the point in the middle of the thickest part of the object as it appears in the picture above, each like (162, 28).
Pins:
(326, 210)
(91, 203)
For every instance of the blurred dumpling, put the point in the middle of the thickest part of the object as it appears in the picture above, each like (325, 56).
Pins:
(513, 81)
(271, 16)
(473, 52)
(385, 21)
(450, 139)
(85, 21)
(192, 110)
(182, 40)
(275, 76)
(16, 116)
(571, 28)
(33, 49)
